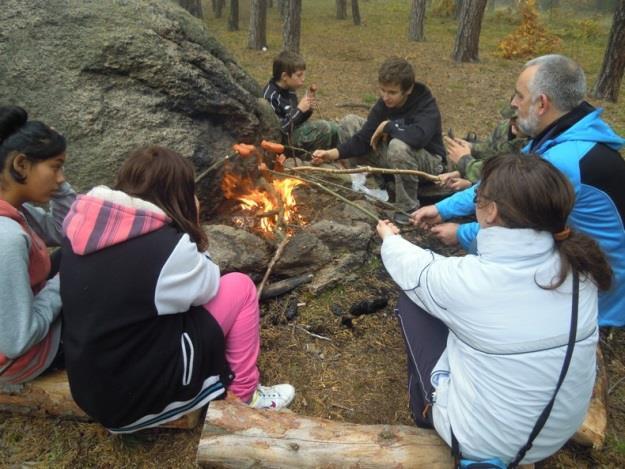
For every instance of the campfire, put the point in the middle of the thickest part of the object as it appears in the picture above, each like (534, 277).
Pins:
(264, 206)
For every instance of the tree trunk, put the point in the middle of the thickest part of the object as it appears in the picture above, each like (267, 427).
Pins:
(236, 435)
(192, 6)
(292, 26)
(609, 81)
(466, 46)
(417, 18)
(233, 19)
(341, 9)
(218, 8)
(257, 38)
(356, 12)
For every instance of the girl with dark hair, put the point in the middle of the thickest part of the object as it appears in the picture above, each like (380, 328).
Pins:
(153, 332)
(31, 171)
(487, 335)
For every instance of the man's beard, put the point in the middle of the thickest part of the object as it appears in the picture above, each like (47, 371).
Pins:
(529, 125)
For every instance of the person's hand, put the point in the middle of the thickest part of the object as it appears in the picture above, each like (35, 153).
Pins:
(324, 156)
(456, 148)
(426, 216)
(306, 103)
(377, 135)
(444, 178)
(447, 233)
(459, 184)
(386, 228)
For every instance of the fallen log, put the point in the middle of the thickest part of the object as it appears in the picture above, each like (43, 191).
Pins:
(283, 286)
(593, 430)
(49, 395)
(235, 435)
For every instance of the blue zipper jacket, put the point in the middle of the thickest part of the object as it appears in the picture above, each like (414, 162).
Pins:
(585, 149)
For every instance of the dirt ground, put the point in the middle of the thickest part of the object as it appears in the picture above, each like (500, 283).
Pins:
(359, 375)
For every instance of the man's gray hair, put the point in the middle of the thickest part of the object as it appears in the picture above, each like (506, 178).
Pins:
(559, 78)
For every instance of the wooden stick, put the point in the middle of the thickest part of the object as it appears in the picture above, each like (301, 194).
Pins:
(366, 169)
(329, 191)
(272, 262)
(316, 336)
(215, 165)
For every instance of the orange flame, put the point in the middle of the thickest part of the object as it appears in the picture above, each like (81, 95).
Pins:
(258, 201)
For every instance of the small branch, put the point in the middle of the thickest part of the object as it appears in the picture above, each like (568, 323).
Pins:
(334, 404)
(273, 261)
(329, 191)
(366, 169)
(615, 385)
(316, 336)
(360, 105)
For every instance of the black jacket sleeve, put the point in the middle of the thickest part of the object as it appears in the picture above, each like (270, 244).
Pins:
(284, 104)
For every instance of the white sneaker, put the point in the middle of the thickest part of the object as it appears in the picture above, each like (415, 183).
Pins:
(278, 396)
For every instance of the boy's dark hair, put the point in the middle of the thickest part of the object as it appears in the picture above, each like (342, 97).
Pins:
(288, 62)
(396, 71)
(532, 193)
(34, 139)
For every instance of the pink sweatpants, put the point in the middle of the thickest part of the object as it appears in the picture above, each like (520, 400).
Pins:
(236, 309)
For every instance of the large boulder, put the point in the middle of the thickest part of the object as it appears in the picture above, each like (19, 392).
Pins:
(115, 75)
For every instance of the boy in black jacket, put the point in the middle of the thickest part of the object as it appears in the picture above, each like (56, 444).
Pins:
(403, 130)
(289, 71)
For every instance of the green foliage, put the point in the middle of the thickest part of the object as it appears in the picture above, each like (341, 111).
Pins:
(586, 29)
(369, 99)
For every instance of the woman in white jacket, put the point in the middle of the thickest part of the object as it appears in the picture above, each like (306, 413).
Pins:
(486, 334)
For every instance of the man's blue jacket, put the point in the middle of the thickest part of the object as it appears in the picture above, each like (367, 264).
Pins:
(585, 149)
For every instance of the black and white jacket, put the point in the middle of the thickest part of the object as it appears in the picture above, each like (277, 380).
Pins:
(140, 349)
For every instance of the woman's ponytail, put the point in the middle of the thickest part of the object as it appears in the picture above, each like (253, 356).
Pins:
(583, 255)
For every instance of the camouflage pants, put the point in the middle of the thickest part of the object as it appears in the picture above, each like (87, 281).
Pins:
(315, 134)
(397, 155)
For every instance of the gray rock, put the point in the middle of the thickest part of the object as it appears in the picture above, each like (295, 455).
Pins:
(303, 254)
(115, 75)
(236, 250)
(338, 236)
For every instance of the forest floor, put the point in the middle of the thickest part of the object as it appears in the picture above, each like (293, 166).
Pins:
(360, 375)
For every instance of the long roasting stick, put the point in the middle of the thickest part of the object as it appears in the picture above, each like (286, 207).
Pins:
(366, 169)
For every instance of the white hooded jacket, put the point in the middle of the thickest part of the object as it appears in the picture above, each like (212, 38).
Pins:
(507, 340)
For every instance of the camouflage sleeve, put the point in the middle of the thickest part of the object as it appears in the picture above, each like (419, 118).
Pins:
(470, 168)
(490, 147)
